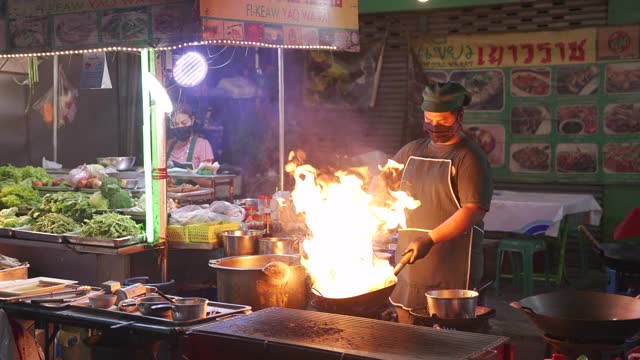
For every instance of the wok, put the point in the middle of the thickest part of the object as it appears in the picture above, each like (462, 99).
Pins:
(621, 256)
(583, 316)
(364, 304)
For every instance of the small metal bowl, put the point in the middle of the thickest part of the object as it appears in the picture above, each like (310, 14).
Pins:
(102, 301)
(122, 163)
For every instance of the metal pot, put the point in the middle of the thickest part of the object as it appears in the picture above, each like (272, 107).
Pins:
(121, 163)
(243, 280)
(186, 309)
(275, 245)
(452, 304)
(155, 306)
(240, 242)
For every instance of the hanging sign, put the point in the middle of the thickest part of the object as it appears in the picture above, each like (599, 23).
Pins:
(498, 50)
(299, 23)
(95, 72)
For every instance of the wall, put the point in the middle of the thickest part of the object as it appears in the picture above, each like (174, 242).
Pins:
(380, 6)
(622, 12)
(14, 133)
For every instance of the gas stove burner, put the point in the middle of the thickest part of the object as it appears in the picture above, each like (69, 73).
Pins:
(574, 347)
(359, 311)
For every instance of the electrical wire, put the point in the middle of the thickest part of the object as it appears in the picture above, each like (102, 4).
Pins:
(228, 61)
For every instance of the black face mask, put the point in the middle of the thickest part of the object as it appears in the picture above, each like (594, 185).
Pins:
(181, 133)
(441, 133)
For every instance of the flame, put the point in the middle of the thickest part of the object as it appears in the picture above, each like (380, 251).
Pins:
(343, 218)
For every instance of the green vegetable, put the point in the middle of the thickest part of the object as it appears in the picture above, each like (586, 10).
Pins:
(71, 204)
(97, 201)
(10, 175)
(18, 195)
(110, 187)
(121, 200)
(55, 224)
(110, 226)
(8, 218)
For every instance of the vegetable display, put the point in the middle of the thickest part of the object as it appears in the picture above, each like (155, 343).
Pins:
(10, 175)
(111, 196)
(18, 195)
(71, 204)
(110, 226)
(55, 224)
(9, 218)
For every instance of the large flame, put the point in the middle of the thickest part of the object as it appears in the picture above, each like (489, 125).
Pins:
(343, 218)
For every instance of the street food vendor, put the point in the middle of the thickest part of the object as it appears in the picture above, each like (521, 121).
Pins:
(451, 177)
(185, 147)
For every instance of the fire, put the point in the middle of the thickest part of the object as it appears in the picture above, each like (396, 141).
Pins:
(343, 218)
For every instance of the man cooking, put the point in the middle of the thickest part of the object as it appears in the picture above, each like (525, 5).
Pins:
(186, 148)
(451, 177)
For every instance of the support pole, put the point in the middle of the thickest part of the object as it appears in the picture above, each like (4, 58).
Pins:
(281, 114)
(55, 107)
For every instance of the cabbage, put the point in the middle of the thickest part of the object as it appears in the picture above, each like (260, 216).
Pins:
(97, 201)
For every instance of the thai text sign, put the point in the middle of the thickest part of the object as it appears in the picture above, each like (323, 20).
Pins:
(506, 50)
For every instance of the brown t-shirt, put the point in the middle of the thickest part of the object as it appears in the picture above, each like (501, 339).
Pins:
(471, 179)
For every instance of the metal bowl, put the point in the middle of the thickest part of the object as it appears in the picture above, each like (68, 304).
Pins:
(122, 163)
(102, 301)
(240, 242)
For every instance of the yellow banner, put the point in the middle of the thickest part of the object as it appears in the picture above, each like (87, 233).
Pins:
(506, 50)
(342, 14)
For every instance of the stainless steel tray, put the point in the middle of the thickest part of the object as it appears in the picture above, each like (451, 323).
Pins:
(215, 310)
(26, 233)
(76, 238)
(6, 232)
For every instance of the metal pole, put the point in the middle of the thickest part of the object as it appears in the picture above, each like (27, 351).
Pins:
(281, 113)
(55, 108)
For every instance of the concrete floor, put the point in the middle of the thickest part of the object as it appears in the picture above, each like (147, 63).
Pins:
(526, 338)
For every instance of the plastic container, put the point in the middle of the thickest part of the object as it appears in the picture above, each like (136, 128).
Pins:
(177, 233)
(209, 233)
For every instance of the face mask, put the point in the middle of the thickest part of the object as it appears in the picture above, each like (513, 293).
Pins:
(441, 133)
(181, 133)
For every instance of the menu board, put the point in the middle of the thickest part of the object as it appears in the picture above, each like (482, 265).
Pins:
(562, 107)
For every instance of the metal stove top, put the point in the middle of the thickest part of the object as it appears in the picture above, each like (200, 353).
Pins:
(353, 335)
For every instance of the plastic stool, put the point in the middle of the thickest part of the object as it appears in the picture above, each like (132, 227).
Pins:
(526, 247)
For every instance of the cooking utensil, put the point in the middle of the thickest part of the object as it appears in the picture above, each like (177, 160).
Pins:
(452, 303)
(129, 305)
(171, 300)
(102, 301)
(241, 280)
(483, 314)
(364, 304)
(154, 305)
(276, 245)
(583, 316)
(240, 242)
(186, 309)
(130, 292)
(122, 163)
(53, 295)
(621, 256)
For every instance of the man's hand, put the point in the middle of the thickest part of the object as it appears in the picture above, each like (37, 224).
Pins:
(420, 247)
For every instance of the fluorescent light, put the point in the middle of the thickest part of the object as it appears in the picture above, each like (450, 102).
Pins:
(190, 69)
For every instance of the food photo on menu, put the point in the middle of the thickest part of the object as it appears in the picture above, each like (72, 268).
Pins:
(530, 120)
(578, 79)
(169, 20)
(621, 158)
(486, 88)
(530, 158)
(490, 138)
(125, 25)
(577, 119)
(576, 158)
(29, 32)
(622, 118)
(623, 78)
(531, 82)
(76, 29)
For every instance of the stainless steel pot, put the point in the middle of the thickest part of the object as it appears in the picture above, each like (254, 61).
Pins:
(186, 309)
(154, 305)
(452, 304)
(276, 245)
(240, 242)
(248, 280)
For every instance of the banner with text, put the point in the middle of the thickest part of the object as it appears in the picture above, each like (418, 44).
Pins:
(299, 23)
(546, 106)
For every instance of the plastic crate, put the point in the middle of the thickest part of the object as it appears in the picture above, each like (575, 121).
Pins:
(176, 233)
(208, 233)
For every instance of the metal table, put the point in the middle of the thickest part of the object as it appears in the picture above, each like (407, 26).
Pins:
(278, 333)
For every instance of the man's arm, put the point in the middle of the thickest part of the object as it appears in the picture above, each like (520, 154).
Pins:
(461, 221)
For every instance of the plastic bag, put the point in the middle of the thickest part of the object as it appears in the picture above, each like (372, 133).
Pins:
(233, 212)
(78, 174)
(97, 171)
(200, 214)
(67, 102)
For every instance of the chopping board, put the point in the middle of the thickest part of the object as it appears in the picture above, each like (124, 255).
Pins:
(32, 286)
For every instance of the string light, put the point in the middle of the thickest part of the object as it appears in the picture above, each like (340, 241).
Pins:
(172, 47)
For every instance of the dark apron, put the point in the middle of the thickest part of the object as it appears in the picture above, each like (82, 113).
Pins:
(447, 265)
(192, 146)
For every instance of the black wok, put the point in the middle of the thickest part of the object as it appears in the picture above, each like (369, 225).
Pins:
(361, 305)
(620, 256)
(584, 316)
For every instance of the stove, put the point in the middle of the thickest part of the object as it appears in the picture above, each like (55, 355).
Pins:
(623, 283)
(573, 349)
(279, 333)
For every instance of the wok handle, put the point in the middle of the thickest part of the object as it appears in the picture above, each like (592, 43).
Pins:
(122, 324)
(517, 305)
(403, 262)
(588, 236)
